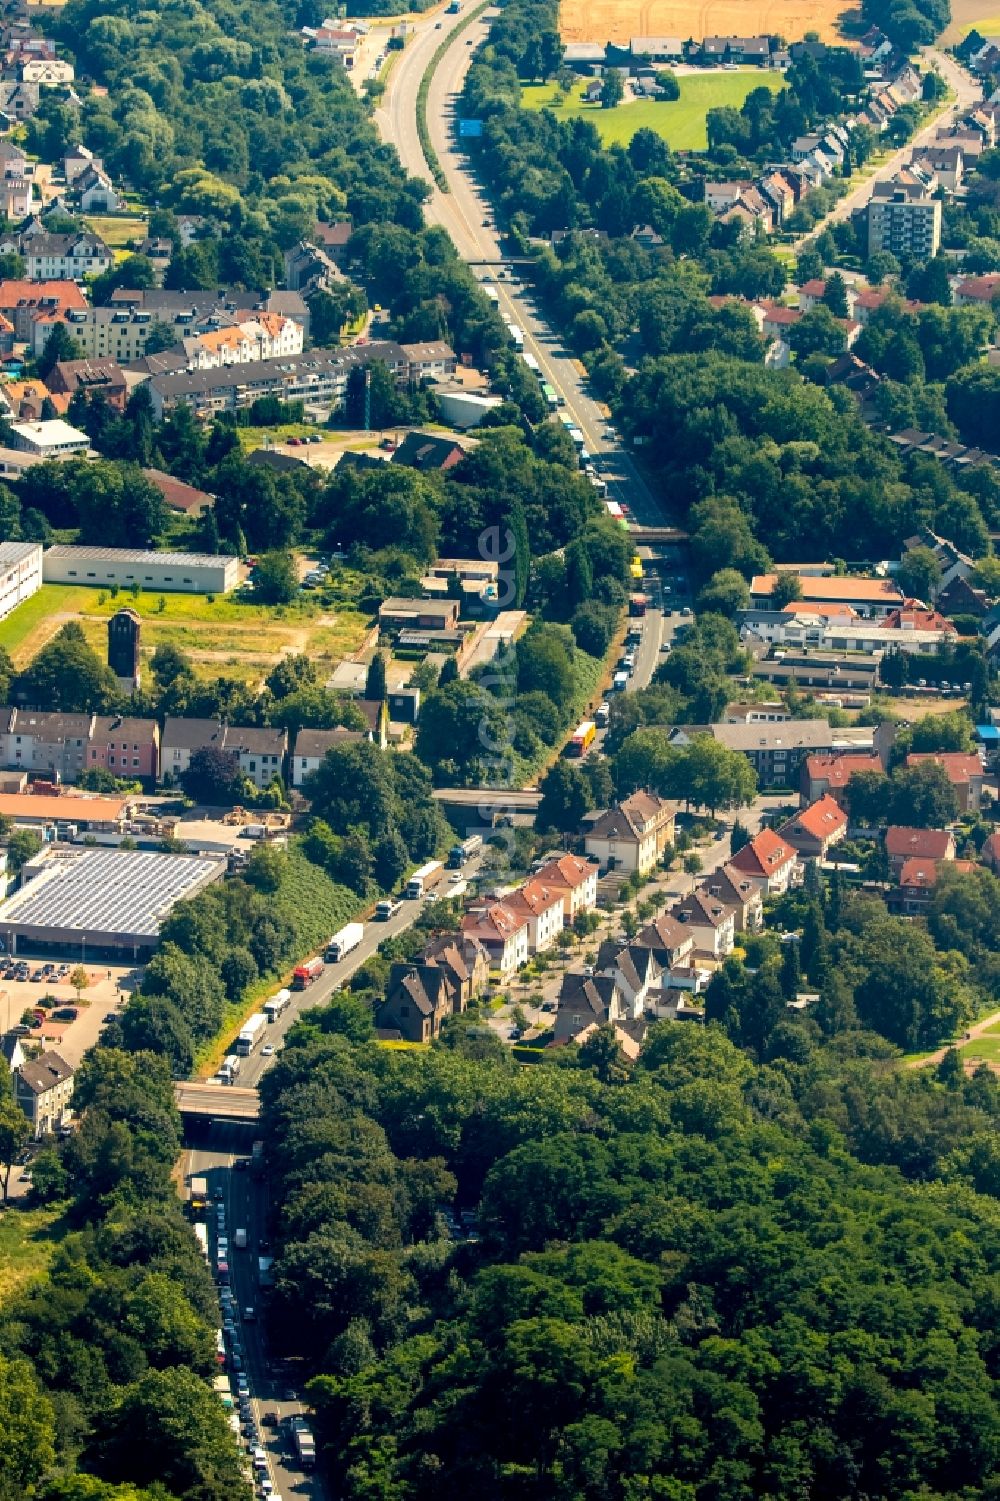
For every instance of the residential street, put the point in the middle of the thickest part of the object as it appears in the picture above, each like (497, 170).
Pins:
(966, 90)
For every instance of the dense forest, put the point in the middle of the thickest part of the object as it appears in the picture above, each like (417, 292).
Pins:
(105, 1359)
(715, 1273)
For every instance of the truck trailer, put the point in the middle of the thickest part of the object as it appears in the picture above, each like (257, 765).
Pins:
(251, 1034)
(306, 973)
(277, 1004)
(342, 943)
(459, 853)
(423, 879)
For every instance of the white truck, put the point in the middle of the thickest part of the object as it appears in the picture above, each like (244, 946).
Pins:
(342, 943)
(251, 1034)
(423, 879)
(277, 1004)
(240, 1240)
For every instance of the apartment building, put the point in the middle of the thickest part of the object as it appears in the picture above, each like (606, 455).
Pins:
(905, 220)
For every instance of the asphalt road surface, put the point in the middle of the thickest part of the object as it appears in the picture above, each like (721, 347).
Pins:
(335, 976)
(244, 1201)
(967, 92)
(465, 212)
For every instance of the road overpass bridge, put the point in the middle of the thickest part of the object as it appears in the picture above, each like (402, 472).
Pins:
(479, 809)
(198, 1100)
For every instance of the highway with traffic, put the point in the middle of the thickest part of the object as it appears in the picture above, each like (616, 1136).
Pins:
(465, 212)
(238, 1199)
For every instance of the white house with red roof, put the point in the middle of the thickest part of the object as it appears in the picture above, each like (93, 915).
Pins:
(814, 829)
(502, 932)
(769, 860)
(576, 879)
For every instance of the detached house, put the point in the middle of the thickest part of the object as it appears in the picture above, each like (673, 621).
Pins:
(418, 999)
(812, 831)
(928, 845)
(964, 772)
(633, 835)
(670, 942)
(769, 860)
(735, 889)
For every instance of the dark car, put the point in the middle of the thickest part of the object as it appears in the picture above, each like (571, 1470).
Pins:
(65, 1014)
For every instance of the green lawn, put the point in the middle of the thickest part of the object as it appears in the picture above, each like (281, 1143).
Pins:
(28, 1238)
(221, 634)
(117, 230)
(681, 123)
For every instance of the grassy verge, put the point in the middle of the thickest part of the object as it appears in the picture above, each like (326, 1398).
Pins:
(28, 1239)
(680, 122)
(117, 230)
(423, 129)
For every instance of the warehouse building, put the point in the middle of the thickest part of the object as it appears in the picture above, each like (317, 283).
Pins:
(95, 903)
(20, 574)
(170, 572)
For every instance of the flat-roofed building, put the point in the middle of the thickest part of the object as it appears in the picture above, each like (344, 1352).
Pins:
(20, 574)
(169, 572)
(102, 902)
(50, 439)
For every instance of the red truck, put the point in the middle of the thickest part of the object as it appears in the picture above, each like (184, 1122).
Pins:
(306, 973)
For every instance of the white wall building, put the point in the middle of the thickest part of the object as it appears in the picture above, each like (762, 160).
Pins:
(168, 572)
(52, 439)
(20, 574)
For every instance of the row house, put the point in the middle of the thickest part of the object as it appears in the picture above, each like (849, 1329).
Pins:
(23, 302)
(311, 747)
(576, 879)
(541, 908)
(259, 752)
(61, 746)
(69, 257)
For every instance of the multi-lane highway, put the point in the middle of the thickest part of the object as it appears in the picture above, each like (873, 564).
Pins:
(465, 212)
(238, 1201)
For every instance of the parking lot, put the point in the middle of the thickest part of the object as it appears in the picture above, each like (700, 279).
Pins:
(43, 984)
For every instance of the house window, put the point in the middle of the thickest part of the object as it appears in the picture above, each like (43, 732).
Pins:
(135, 760)
(72, 573)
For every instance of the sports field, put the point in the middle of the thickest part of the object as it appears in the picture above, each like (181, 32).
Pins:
(681, 122)
(224, 637)
(619, 20)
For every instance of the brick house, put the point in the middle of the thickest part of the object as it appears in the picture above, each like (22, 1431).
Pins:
(928, 845)
(964, 772)
(125, 747)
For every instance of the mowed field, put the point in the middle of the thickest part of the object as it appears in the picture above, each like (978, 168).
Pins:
(618, 20)
(681, 122)
(223, 637)
(984, 15)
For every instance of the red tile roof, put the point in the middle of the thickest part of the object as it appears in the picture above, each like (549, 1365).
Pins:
(764, 855)
(821, 819)
(961, 768)
(837, 771)
(924, 844)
